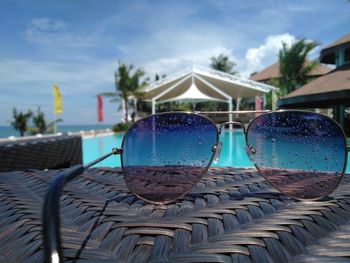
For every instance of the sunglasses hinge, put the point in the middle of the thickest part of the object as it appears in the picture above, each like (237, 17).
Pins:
(117, 151)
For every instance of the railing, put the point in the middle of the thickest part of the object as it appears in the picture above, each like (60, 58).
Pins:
(84, 134)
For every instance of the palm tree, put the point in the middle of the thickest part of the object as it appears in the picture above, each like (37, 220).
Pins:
(294, 66)
(20, 121)
(126, 85)
(51, 126)
(40, 122)
(41, 126)
(223, 63)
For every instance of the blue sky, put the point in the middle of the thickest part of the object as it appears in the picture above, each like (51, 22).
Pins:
(77, 44)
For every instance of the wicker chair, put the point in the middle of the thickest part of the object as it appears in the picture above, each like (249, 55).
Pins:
(232, 215)
(52, 152)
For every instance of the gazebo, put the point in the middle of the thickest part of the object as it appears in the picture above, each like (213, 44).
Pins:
(203, 84)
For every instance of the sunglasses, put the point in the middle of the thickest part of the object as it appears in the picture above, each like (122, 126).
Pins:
(301, 154)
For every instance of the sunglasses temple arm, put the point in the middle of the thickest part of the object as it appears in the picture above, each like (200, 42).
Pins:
(51, 218)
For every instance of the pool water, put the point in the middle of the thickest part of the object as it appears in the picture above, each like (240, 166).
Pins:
(232, 152)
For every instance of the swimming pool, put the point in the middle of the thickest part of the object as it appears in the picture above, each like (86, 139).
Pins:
(232, 152)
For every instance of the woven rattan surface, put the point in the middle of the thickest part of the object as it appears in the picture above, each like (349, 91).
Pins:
(41, 153)
(231, 216)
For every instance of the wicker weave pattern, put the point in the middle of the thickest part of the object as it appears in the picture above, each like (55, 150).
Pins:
(231, 216)
(41, 153)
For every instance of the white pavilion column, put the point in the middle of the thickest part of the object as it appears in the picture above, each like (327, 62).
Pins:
(135, 106)
(230, 108)
(238, 104)
(153, 106)
(274, 100)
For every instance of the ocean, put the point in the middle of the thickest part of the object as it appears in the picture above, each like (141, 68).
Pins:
(7, 131)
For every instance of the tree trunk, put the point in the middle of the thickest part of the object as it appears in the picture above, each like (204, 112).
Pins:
(126, 110)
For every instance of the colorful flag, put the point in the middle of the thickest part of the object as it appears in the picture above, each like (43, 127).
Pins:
(57, 100)
(99, 109)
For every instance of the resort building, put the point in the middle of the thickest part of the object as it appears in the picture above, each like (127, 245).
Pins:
(273, 72)
(330, 91)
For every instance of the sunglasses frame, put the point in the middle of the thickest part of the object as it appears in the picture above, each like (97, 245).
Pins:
(51, 218)
(214, 149)
(346, 150)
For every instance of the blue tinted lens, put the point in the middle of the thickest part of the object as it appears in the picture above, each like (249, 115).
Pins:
(302, 154)
(165, 155)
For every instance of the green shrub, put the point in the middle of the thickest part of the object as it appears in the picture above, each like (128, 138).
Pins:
(121, 127)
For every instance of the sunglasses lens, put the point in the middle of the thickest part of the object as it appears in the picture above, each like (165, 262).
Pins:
(301, 154)
(165, 155)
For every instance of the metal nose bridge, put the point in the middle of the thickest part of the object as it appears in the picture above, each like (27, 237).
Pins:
(234, 123)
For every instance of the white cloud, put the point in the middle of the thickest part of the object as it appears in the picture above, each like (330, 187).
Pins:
(48, 31)
(82, 76)
(266, 54)
(47, 24)
(82, 54)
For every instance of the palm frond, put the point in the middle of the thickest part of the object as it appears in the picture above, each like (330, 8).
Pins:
(127, 83)
(107, 94)
(293, 63)
(223, 63)
(116, 99)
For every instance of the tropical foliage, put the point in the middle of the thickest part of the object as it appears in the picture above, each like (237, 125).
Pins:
(127, 84)
(223, 63)
(294, 65)
(20, 121)
(294, 68)
(40, 124)
(121, 127)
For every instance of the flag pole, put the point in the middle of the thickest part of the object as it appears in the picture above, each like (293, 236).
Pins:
(55, 124)
(54, 113)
